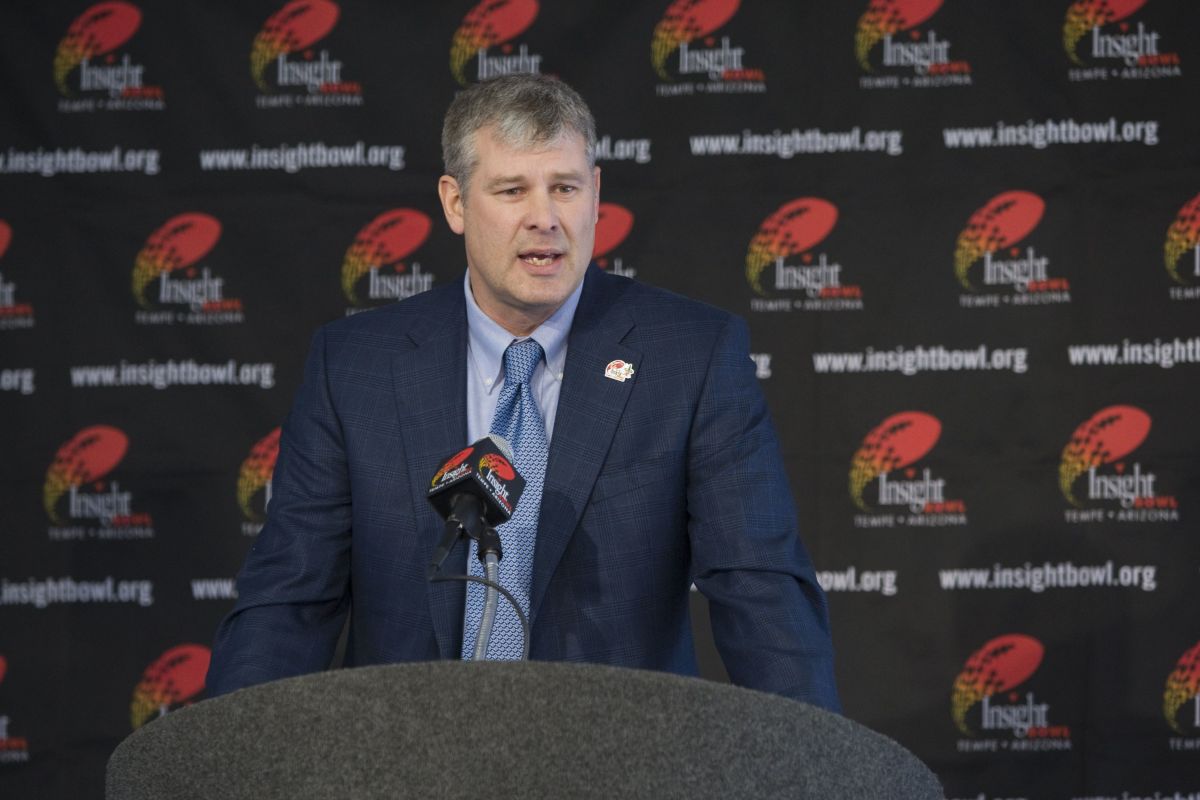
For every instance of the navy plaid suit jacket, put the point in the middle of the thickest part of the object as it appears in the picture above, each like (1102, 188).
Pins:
(670, 477)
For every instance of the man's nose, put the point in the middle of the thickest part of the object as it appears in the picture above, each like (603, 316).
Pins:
(540, 211)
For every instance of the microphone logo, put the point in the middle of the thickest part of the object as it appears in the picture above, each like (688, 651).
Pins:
(454, 468)
(496, 470)
(498, 464)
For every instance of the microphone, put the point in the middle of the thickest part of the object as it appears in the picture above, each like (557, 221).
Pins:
(475, 490)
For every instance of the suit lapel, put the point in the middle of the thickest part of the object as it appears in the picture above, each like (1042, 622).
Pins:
(429, 382)
(589, 407)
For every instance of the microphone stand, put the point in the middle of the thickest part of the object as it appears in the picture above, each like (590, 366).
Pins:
(490, 554)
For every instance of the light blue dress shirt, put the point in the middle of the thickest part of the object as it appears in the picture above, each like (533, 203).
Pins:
(486, 343)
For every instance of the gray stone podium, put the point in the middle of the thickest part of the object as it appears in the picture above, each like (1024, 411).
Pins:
(508, 730)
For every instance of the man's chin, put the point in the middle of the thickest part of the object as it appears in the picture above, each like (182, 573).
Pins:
(542, 292)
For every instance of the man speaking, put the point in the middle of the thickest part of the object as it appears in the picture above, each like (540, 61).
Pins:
(634, 417)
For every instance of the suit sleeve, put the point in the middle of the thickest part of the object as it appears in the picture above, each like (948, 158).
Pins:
(293, 591)
(769, 616)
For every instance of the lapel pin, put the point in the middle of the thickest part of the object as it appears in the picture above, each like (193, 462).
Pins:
(618, 370)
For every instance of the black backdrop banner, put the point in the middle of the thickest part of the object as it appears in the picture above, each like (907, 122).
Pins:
(965, 236)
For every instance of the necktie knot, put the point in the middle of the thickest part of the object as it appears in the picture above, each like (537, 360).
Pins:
(520, 360)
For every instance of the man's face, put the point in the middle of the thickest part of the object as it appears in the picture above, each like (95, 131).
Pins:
(529, 220)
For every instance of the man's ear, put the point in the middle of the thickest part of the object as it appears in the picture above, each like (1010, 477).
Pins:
(452, 202)
(596, 195)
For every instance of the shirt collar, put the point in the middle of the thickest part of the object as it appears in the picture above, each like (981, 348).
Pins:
(488, 340)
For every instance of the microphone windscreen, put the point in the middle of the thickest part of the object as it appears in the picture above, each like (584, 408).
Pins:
(483, 470)
(502, 444)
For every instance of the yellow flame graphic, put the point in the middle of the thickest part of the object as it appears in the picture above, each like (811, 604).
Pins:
(1182, 685)
(1182, 236)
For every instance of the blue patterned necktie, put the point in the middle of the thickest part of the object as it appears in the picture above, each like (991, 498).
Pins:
(518, 421)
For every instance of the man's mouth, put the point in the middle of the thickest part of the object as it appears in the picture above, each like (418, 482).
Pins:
(540, 258)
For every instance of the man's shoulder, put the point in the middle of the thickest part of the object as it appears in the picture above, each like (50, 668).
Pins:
(654, 306)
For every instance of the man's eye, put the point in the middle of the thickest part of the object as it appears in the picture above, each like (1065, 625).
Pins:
(511, 192)
(564, 189)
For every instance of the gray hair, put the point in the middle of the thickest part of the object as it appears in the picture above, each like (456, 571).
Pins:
(526, 110)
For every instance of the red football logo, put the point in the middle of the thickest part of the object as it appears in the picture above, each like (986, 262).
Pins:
(1108, 435)
(1002, 664)
(3, 668)
(490, 23)
(685, 21)
(294, 27)
(5, 237)
(180, 242)
(1182, 685)
(885, 17)
(256, 470)
(794, 227)
(1005, 220)
(384, 240)
(1182, 236)
(101, 29)
(175, 677)
(499, 465)
(454, 461)
(898, 441)
(1116, 9)
(612, 227)
(1083, 15)
(89, 455)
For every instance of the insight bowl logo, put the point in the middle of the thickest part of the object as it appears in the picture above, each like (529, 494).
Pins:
(1183, 688)
(13, 749)
(1000, 666)
(921, 61)
(74, 479)
(497, 472)
(166, 283)
(310, 79)
(712, 67)
(898, 443)
(612, 227)
(454, 466)
(795, 229)
(172, 681)
(1181, 251)
(1012, 276)
(1100, 40)
(494, 23)
(492, 462)
(254, 479)
(13, 314)
(88, 456)
(1122, 492)
(109, 84)
(378, 253)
